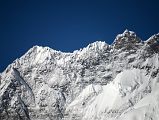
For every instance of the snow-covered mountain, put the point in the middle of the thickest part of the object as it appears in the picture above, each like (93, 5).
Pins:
(99, 82)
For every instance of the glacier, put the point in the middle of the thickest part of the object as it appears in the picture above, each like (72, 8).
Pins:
(99, 82)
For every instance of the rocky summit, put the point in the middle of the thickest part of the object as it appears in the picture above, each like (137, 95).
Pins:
(99, 82)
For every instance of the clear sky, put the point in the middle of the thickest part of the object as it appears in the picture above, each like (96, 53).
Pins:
(67, 25)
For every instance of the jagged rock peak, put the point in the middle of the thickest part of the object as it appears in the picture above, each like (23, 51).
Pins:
(126, 33)
(126, 39)
(98, 45)
(154, 37)
(153, 42)
(129, 33)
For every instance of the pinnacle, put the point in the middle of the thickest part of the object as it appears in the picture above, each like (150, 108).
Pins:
(125, 39)
(126, 31)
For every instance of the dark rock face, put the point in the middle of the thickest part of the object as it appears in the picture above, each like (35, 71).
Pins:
(49, 84)
(128, 40)
(153, 42)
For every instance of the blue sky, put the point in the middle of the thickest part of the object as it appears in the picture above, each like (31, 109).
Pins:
(67, 25)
